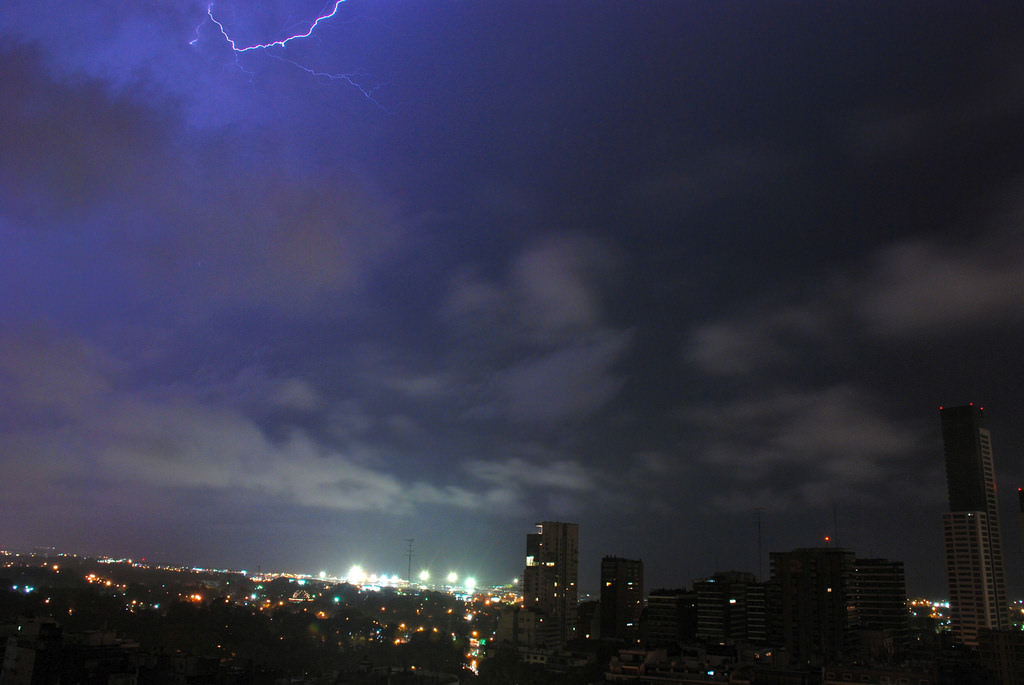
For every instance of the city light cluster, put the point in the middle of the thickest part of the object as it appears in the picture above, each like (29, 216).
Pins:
(358, 576)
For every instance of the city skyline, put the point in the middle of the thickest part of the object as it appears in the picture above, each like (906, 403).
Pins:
(288, 284)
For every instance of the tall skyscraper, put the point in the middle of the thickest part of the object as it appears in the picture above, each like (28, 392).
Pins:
(622, 598)
(971, 532)
(550, 577)
(1020, 515)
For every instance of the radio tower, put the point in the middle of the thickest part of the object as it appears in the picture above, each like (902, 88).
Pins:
(760, 564)
(408, 554)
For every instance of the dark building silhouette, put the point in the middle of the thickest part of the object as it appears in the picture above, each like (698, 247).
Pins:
(550, 579)
(526, 628)
(1002, 654)
(812, 606)
(916, 673)
(730, 607)
(622, 598)
(32, 655)
(671, 617)
(1020, 514)
(971, 531)
(589, 620)
(879, 593)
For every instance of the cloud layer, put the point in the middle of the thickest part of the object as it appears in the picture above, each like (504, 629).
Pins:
(645, 272)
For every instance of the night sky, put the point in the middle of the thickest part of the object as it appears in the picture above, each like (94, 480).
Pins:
(442, 270)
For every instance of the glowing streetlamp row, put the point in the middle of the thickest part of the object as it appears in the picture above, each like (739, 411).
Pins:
(357, 576)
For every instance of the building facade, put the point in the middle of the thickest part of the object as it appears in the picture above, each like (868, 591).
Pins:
(815, 617)
(971, 532)
(551, 575)
(730, 607)
(879, 593)
(671, 617)
(622, 598)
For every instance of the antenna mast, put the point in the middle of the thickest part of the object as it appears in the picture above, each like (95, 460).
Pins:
(409, 555)
(760, 555)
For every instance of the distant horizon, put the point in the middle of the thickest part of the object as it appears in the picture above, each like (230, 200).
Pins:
(314, 575)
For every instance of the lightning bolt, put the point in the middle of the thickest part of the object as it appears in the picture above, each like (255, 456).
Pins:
(349, 78)
(277, 43)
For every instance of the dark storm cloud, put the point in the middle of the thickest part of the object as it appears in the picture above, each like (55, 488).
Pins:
(569, 382)
(142, 53)
(286, 243)
(644, 266)
(549, 310)
(748, 343)
(196, 225)
(70, 147)
(566, 475)
(46, 373)
(552, 290)
(890, 132)
(921, 289)
(169, 437)
(722, 173)
(806, 448)
(903, 290)
(816, 374)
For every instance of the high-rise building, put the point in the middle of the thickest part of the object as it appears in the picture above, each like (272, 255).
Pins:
(671, 617)
(730, 606)
(1020, 514)
(1001, 652)
(622, 598)
(879, 593)
(550, 577)
(814, 612)
(971, 532)
(589, 620)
